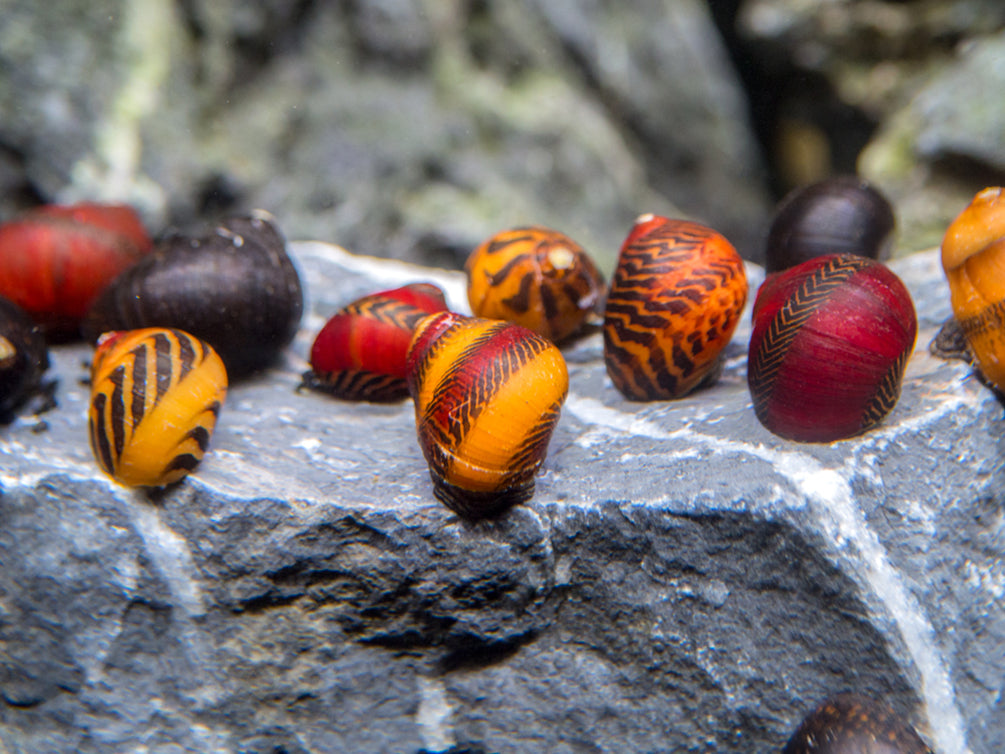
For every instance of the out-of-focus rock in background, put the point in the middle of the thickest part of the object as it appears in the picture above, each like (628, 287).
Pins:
(416, 128)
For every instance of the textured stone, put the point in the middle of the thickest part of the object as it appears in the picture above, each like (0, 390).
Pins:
(682, 579)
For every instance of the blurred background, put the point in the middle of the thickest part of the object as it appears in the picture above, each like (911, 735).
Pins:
(414, 129)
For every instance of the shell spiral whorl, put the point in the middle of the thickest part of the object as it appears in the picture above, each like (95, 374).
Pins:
(677, 295)
(487, 397)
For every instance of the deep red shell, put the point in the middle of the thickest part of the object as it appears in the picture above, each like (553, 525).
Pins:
(56, 259)
(360, 352)
(831, 338)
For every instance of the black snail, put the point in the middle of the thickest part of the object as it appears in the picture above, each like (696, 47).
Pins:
(854, 724)
(839, 215)
(233, 286)
(23, 357)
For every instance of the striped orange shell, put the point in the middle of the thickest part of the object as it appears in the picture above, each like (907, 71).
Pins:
(677, 294)
(487, 397)
(536, 277)
(155, 397)
(973, 257)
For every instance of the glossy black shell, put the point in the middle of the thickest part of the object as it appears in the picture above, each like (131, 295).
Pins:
(840, 215)
(234, 287)
(23, 358)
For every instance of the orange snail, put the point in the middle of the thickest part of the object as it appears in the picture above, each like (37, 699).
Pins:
(677, 295)
(973, 258)
(487, 397)
(536, 277)
(155, 397)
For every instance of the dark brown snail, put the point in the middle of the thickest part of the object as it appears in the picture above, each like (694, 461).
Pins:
(536, 277)
(23, 357)
(840, 215)
(487, 397)
(234, 287)
(973, 258)
(831, 338)
(677, 295)
(852, 724)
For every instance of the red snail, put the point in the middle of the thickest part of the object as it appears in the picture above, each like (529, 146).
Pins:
(536, 277)
(360, 352)
(840, 215)
(23, 357)
(54, 260)
(234, 287)
(830, 341)
(155, 397)
(487, 397)
(677, 294)
(853, 724)
(973, 257)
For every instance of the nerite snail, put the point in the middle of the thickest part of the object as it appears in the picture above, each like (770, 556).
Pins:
(853, 724)
(831, 338)
(839, 215)
(677, 294)
(973, 257)
(360, 352)
(234, 287)
(536, 277)
(487, 397)
(155, 397)
(55, 259)
(23, 357)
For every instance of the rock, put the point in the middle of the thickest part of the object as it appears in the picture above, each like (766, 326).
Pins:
(682, 579)
(411, 130)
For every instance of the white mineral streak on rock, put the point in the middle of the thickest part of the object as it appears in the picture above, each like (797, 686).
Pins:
(433, 715)
(830, 498)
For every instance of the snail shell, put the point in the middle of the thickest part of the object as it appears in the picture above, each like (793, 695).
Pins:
(155, 397)
(23, 357)
(360, 352)
(852, 724)
(487, 397)
(54, 260)
(830, 341)
(840, 215)
(973, 257)
(677, 294)
(536, 277)
(234, 287)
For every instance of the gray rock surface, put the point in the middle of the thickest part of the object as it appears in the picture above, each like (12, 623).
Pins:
(682, 580)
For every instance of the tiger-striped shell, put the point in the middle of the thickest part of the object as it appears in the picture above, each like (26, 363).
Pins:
(536, 277)
(360, 352)
(677, 295)
(155, 397)
(973, 257)
(487, 397)
(854, 724)
(831, 338)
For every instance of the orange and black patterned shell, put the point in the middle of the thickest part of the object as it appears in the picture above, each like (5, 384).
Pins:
(360, 352)
(536, 277)
(155, 397)
(487, 397)
(973, 257)
(831, 338)
(853, 724)
(677, 295)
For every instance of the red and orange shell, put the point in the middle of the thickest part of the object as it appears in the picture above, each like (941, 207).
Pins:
(677, 295)
(831, 338)
(487, 397)
(360, 352)
(535, 277)
(973, 258)
(55, 260)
